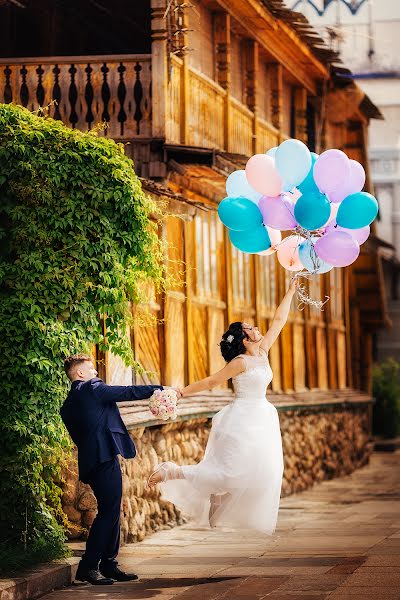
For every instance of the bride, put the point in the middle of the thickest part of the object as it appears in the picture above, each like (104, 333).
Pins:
(238, 482)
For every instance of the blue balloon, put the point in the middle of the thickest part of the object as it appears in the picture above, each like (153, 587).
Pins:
(357, 210)
(312, 210)
(238, 186)
(252, 241)
(310, 260)
(272, 151)
(239, 214)
(308, 184)
(293, 162)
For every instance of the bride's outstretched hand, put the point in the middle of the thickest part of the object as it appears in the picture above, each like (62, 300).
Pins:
(294, 284)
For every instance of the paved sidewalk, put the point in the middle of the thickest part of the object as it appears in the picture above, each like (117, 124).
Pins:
(340, 540)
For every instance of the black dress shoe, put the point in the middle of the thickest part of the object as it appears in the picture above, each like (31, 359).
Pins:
(117, 574)
(93, 576)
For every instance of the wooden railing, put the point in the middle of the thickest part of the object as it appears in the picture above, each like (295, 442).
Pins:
(174, 102)
(205, 112)
(267, 136)
(86, 91)
(241, 129)
(113, 93)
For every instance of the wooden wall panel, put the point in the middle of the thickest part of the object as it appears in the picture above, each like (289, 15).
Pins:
(175, 340)
(299, 363)
(287, 357)
(341, 359)
(216, 327)
(199, 350)
(321, 356)
(147, 347)
(311, 356)
(201, 39)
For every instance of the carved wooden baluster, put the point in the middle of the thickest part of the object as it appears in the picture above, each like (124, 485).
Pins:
(138, 95)
(40, 93)
(56, 94)
(7, 87)
(121, 93)
(89, 118)
(24, 92)
(105, 96)
(73, 96)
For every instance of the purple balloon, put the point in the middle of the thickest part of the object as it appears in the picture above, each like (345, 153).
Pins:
(360, 235)
(354, 184)
(277, 212)
(337, 248)
(331, 171)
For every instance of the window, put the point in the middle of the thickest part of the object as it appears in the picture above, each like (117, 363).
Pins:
(241, 276)
(209, 254)
(266, 279)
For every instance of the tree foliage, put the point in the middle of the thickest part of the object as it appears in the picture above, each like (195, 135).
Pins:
(76, 242)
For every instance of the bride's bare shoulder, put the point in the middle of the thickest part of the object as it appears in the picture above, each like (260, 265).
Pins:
(238, 363)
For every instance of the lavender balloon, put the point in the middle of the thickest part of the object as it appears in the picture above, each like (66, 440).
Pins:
(360, 235)
(277, 212)
(337, 248)
(354, 184)
(331, 170)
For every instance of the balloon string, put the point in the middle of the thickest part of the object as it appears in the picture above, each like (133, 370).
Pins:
(303, 296)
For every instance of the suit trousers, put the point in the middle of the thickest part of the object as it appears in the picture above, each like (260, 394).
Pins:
(104, 535)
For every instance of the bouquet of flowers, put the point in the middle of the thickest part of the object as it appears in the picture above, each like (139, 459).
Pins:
(162, 404)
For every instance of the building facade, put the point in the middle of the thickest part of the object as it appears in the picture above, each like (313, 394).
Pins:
(366, 34)
(192, 92)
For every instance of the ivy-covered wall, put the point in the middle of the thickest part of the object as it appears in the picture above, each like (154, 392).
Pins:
(76, 241)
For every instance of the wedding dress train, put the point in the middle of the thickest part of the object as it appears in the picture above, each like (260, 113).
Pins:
(238, 482)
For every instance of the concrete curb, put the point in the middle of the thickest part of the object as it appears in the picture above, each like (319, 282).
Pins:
(39, 581)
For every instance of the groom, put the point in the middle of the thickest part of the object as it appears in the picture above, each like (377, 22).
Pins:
(93, 420)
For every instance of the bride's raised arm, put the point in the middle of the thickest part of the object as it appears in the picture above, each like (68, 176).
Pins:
(280, 318)
(233, 368)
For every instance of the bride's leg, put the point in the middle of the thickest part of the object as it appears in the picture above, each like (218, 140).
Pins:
(165, 472)
(216, 501)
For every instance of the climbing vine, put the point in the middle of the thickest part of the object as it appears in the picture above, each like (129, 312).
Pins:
(76, 241)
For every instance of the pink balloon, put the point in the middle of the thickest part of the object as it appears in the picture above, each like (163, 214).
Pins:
(276, 237)
(331, 171)
(262, 175)
(337, 248)
(360, 235)
(354, 184)
(277, 212)
(288, 253)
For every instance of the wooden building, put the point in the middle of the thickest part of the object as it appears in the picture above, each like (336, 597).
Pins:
(193, 91)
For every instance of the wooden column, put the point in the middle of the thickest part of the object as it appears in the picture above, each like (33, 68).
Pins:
(277, 96)
(159, 68)
(222, 36)
(251, 82)
(300, 115)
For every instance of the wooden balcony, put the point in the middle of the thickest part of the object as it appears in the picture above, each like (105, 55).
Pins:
(117, 90)
(87, 90)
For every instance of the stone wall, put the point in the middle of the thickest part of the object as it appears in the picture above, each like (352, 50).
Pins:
(319, 443)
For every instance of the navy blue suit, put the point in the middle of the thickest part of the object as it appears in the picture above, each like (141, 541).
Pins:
(93, 420)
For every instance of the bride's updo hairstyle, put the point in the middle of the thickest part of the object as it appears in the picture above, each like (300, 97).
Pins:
(232, 341)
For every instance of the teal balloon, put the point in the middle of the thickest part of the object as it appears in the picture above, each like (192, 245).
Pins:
(252, 241)
(310, 260)
(308, 184)
(357, 210)
(312, 210)
(239, 214)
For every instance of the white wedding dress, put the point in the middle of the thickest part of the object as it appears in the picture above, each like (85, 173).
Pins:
(243, 463)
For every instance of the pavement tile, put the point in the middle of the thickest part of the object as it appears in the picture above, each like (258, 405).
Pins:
(360, 593)
(322, 583)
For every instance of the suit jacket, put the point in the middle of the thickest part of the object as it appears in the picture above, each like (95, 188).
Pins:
(93, 420)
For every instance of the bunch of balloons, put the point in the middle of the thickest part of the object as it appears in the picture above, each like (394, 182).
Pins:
(317, 198)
